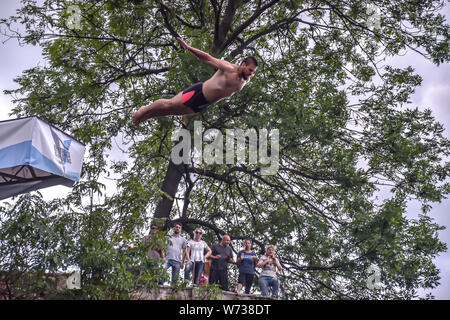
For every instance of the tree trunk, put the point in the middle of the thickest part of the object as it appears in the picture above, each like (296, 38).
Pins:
(170, 186)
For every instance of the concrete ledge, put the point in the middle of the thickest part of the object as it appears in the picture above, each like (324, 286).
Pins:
(192, 293)
(165, 292)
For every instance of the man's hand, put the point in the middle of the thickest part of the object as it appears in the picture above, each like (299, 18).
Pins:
(208, 59)
(182, 43)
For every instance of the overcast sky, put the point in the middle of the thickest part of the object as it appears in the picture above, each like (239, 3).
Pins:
(434, 94)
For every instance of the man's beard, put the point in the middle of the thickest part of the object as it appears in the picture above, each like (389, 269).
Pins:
(243, 76)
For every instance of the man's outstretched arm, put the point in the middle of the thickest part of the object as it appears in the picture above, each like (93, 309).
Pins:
(207, 58)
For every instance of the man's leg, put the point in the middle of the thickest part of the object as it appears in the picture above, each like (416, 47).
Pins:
(161, 107)
(223, 274)
(212, 276)
(170, 264)
(175, 270)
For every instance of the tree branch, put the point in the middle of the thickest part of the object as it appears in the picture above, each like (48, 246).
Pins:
(216, 229)
(225, 25)
(222, 46)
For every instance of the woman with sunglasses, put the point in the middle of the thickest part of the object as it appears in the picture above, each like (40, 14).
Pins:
(196, 257)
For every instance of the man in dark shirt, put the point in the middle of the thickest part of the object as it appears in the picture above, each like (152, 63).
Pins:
(221, 256)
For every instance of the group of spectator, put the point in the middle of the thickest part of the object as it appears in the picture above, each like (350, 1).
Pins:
(210, 264)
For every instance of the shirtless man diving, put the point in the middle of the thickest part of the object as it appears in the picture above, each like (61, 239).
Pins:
(228, 80)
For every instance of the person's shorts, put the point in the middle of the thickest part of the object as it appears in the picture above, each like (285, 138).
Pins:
(193, 97)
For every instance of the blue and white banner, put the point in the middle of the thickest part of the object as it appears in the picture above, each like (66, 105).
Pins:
(35, 155)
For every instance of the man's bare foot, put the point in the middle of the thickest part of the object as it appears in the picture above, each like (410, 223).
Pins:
(138, 116)
(185, 120)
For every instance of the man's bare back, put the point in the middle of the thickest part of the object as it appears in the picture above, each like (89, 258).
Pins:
(228, 80)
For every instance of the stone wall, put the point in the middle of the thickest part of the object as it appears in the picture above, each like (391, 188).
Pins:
(60, 280)
(192, 293)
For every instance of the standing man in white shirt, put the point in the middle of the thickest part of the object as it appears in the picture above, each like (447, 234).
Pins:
(176, 252)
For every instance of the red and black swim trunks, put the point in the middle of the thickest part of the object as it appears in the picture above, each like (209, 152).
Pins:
(193, 97)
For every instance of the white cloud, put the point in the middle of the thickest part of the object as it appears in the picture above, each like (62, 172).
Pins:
(437, 97)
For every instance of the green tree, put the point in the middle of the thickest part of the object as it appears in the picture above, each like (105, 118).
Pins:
(345, 131)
